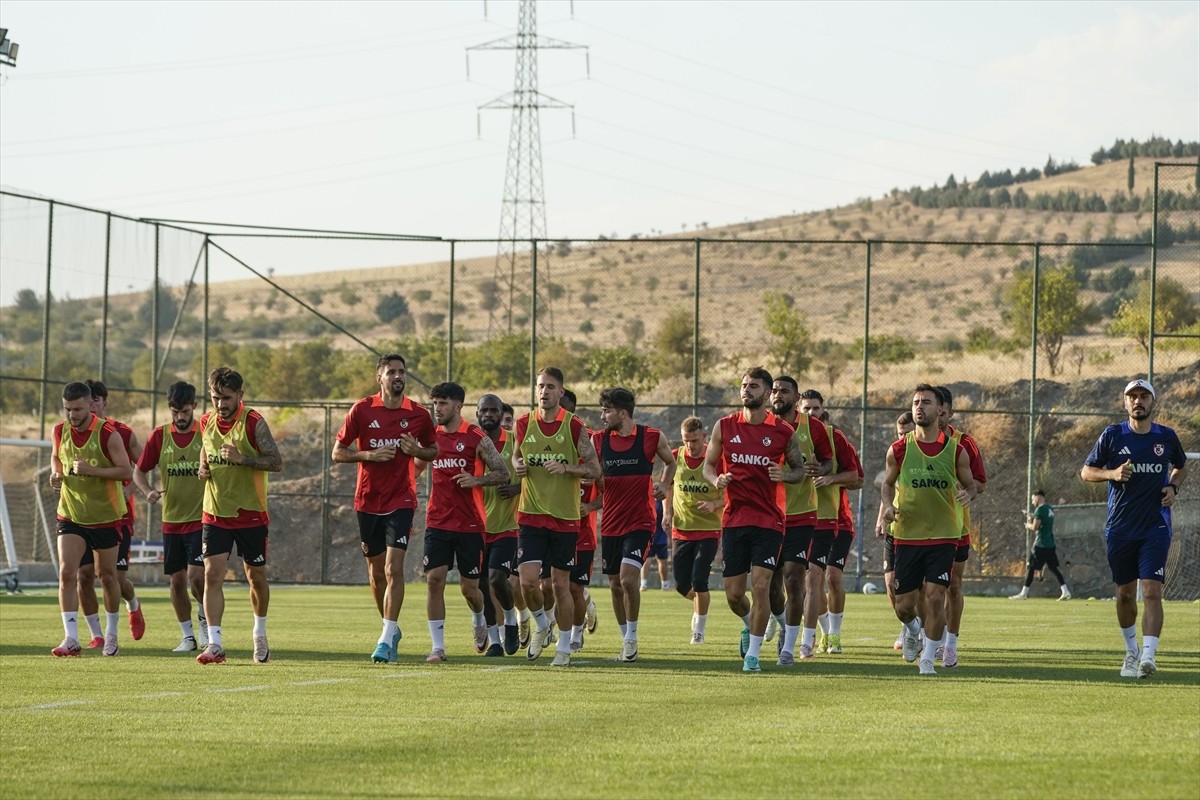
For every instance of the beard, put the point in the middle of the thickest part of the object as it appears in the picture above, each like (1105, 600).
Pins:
(489, 425)
(783, 409)
(753, 403)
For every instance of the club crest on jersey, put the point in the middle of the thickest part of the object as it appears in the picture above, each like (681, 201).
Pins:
(766, 441)
(460, 447)
(403, 423)
(1159, 449)
(560, 438)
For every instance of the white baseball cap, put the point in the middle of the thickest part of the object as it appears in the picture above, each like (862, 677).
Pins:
(1140, 384)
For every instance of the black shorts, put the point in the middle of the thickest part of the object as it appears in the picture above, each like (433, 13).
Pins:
(963, 552)
(889, 553)
(556, 548)
(581, 573)
(748, 546)
(182, 550)
(380, 531)
(444, 548)
(796, 541)
(124, 542)
(96, 538)
(1043, 557)
(660, 546)
(251, 543)
(501, 555)
(917, 565)
(818, 551)
(693, 564)
(616, 550)
(842, 542)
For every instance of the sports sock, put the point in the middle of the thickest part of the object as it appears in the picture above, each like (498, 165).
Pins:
(477, 618)
(622, 627)
(1149, 646)
(71, 624)
(214, 635)
(952, 640)
(930, 650)
(755, 646)
(493, 634)
(913, 627)
(587, 596)
(631, 629)
(437, 632)
(693, 622)
(510, 616)
(701, 622)
(525, 615)
(186, 627)
(746, 620)
(835, 624)
(110, 622)
(577, 633)
(564, 642)
(779, 620)
(790, 634)
(93, 623)
(808, 636)
(540, 619)
(260, 625)
(1130, 634)
(133, 604)
(390, 627)
(823, 623)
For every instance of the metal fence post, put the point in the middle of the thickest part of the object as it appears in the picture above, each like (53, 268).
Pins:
(696, 337)
(533, 328)
(204, 333)
(154, 324)
(862, 426)
(1153, 277)
(46, 324)
(1033, 359)
(104, 306)
(326, 534)
(450, 336)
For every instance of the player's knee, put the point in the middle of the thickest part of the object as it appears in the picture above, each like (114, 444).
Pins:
(68, 573)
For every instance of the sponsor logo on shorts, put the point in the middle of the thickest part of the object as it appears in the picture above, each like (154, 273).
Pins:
(403, 539)
(770, 562)
(364, 548)
(122, 562)
(507, 565)
(257, 560)
(636, 553)
(425, 561)
(943, 577)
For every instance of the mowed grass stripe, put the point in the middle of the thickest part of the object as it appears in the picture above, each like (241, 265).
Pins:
(1036, 709)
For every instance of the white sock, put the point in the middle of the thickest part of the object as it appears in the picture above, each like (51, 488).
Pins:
(110, 622)
(577, 633)
(790, 634)
(930, 650)
(808, 636)
(622, 627)
(93, 623)
(493, 634)
(564, 642)
(540, 619)
(835, 624)
(1065, 590)
(913, 627)
(952, 640)
(132, 605)
(587, 596)
(390, 627)
(746, 620)
(631, 629)
(477, 618)
(1024, 591)
(823, 622)
(186, 627)
(1149, 646)
(437, 632)
(755, 646)
(260, 625)
(779, 621)
(71, 624)
(201, 620)
(701, 622)
(510, 616)
(214, 635)
(1130, 634)
(525, 615)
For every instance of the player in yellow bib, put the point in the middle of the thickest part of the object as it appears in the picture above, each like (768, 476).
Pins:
(88, 464)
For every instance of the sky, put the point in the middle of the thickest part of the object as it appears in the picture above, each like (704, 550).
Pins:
(361, 115)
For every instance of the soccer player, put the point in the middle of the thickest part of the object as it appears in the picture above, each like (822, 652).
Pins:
(744, 458)
(382, 434)
(659, 551)
(455, 520)
(919, 495)
(590, 501)
(1044, 553)
(87, 573)
(788, 582)
(947, 651)
(904, 424)
(507, 420)
(175, 450)
(500, 531)
(87, 467)
(627, 518)
(833, 598)
(1144, 465)
(553, 452)
(692, 512)
(238, 452)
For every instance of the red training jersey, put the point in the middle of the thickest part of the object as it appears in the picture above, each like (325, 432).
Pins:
(847, 458)
(587, 522)
(627, 463)
(452, 507)
(152, 451)
(752, 499)
(384, 487)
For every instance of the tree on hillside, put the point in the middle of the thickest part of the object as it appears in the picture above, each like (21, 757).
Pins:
(390, 307)
(27, 300)
(1129, 181)
(787, 330)
(1059, 311)
(673, 346)
(1174, 310)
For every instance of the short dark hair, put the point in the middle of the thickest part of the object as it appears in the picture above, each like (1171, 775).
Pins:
(554, 372)
(449, 391)
(76, 390)
(945, 395)
(787, 379)
(180, 394)
(760, 373)
(925, 387)
(99, 390)
(1039, 493)
(225, 378)
(571, 398)
(384, 359)
(505, 408)
(823, 416)
(618, 397)
(905, 418)
(812, 394)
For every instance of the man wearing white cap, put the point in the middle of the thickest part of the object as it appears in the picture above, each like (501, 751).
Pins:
(1144, 464)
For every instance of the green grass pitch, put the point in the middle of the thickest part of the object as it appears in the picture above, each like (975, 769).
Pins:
(1036, 709)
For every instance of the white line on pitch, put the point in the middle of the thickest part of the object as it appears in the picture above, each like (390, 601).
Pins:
(156, 695)
(258, 688)
(60, 704)
(403, 675)
(500, 669)
(320, 682)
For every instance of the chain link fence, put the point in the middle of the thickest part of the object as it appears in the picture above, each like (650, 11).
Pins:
(303, 315)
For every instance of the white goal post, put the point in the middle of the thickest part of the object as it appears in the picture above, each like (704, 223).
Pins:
(34, 518)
